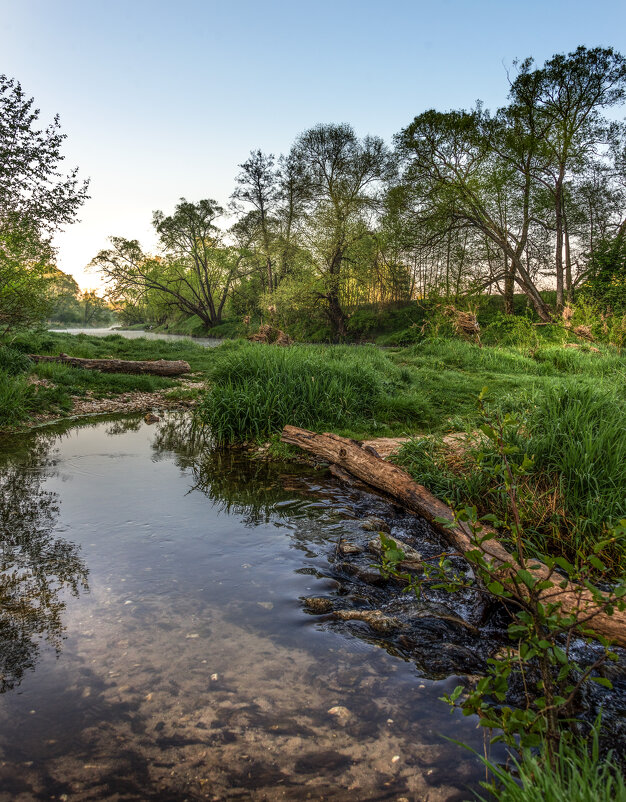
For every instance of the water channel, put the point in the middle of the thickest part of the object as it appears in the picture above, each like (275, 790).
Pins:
(155, 643)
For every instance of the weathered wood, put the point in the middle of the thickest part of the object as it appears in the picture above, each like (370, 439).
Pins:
(362, 463)
(157, 367)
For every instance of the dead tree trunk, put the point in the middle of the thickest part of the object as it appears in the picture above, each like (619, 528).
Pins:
(366, 465)
(158, 367)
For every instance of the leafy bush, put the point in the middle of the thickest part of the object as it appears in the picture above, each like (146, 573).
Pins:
(606, 285)
(515, 330)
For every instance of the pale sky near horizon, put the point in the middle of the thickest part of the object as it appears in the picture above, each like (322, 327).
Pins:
(161, 100)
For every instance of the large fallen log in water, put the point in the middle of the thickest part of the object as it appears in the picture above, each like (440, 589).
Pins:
(157, 367)
(365, 464)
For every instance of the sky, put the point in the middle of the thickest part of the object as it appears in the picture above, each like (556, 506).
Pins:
(163, 100)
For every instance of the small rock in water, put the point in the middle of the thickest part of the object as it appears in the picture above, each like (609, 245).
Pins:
(368, 575)
(349, 548)
(412, 557)
(373, 524)
(151, 418)
(340, 712)
(375, 619)
(318, 605)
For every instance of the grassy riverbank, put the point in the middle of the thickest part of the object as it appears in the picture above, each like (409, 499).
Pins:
(569, 401)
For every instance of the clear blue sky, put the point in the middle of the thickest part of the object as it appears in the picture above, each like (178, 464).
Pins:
(164, 99)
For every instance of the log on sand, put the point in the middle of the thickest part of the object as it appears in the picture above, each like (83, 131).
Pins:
(366, 465)
(157, 367)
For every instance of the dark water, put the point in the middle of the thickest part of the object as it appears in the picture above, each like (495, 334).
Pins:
(209, 342)
(155, 645)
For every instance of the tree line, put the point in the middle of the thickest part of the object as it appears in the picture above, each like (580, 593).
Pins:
(531, 196)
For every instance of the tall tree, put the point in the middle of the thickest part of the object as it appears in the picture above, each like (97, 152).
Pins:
(566, 98)
(344, 175)
(36, 199)
(459, 164)
(257, 186)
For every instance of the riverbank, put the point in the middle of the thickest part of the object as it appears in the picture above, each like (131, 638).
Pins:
(566, 410)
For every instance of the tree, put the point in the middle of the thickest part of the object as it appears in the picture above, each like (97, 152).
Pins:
(461, 165)
(565, 98)
(257, 186)
(194, 274)
(342, 175)
(36, 199)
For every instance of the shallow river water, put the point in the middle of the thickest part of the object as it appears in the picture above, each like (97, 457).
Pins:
(155, 645)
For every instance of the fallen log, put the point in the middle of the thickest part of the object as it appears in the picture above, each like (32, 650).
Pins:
(157, 367)
(366, 465)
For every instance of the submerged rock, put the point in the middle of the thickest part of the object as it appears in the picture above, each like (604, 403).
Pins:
(412, 558)
(375, 619)
(373, 524)
(318, 605)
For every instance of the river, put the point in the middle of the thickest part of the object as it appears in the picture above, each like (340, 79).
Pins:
(209, 342)
(156, 645)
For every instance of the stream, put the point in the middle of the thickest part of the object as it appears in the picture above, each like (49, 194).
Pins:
(157, 645)
(186, 624)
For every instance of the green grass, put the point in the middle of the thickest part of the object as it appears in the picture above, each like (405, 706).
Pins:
(255, 390)
(575, 434)
(580, 775)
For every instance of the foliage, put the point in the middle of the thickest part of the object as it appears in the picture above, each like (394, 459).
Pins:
(255, 390)
(540, 661)
(13, 361)
(606, 281)
(575, 436)
(35, 200)
(579, 774)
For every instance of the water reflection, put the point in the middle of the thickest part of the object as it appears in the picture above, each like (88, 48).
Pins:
(37, 568)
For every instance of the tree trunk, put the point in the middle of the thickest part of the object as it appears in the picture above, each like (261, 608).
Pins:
(365, 464)
(558, 209)
(159, 367)
(509, 286)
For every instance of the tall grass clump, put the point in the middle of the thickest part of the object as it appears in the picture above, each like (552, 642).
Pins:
(255, 390)
(575, 434)
(579, 775)
(14, 393)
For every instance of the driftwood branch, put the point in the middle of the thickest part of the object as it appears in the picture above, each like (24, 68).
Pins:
(158, 367)
(370, 468)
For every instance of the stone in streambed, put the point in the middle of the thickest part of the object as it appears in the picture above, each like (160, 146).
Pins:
(375, 619)
(318, 605)
(373, 524)
(349, 548)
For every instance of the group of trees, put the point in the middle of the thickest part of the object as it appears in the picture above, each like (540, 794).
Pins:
(527, 198)
(518, 200)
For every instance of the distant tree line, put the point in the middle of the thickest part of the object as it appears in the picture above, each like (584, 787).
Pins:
(529, 197)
